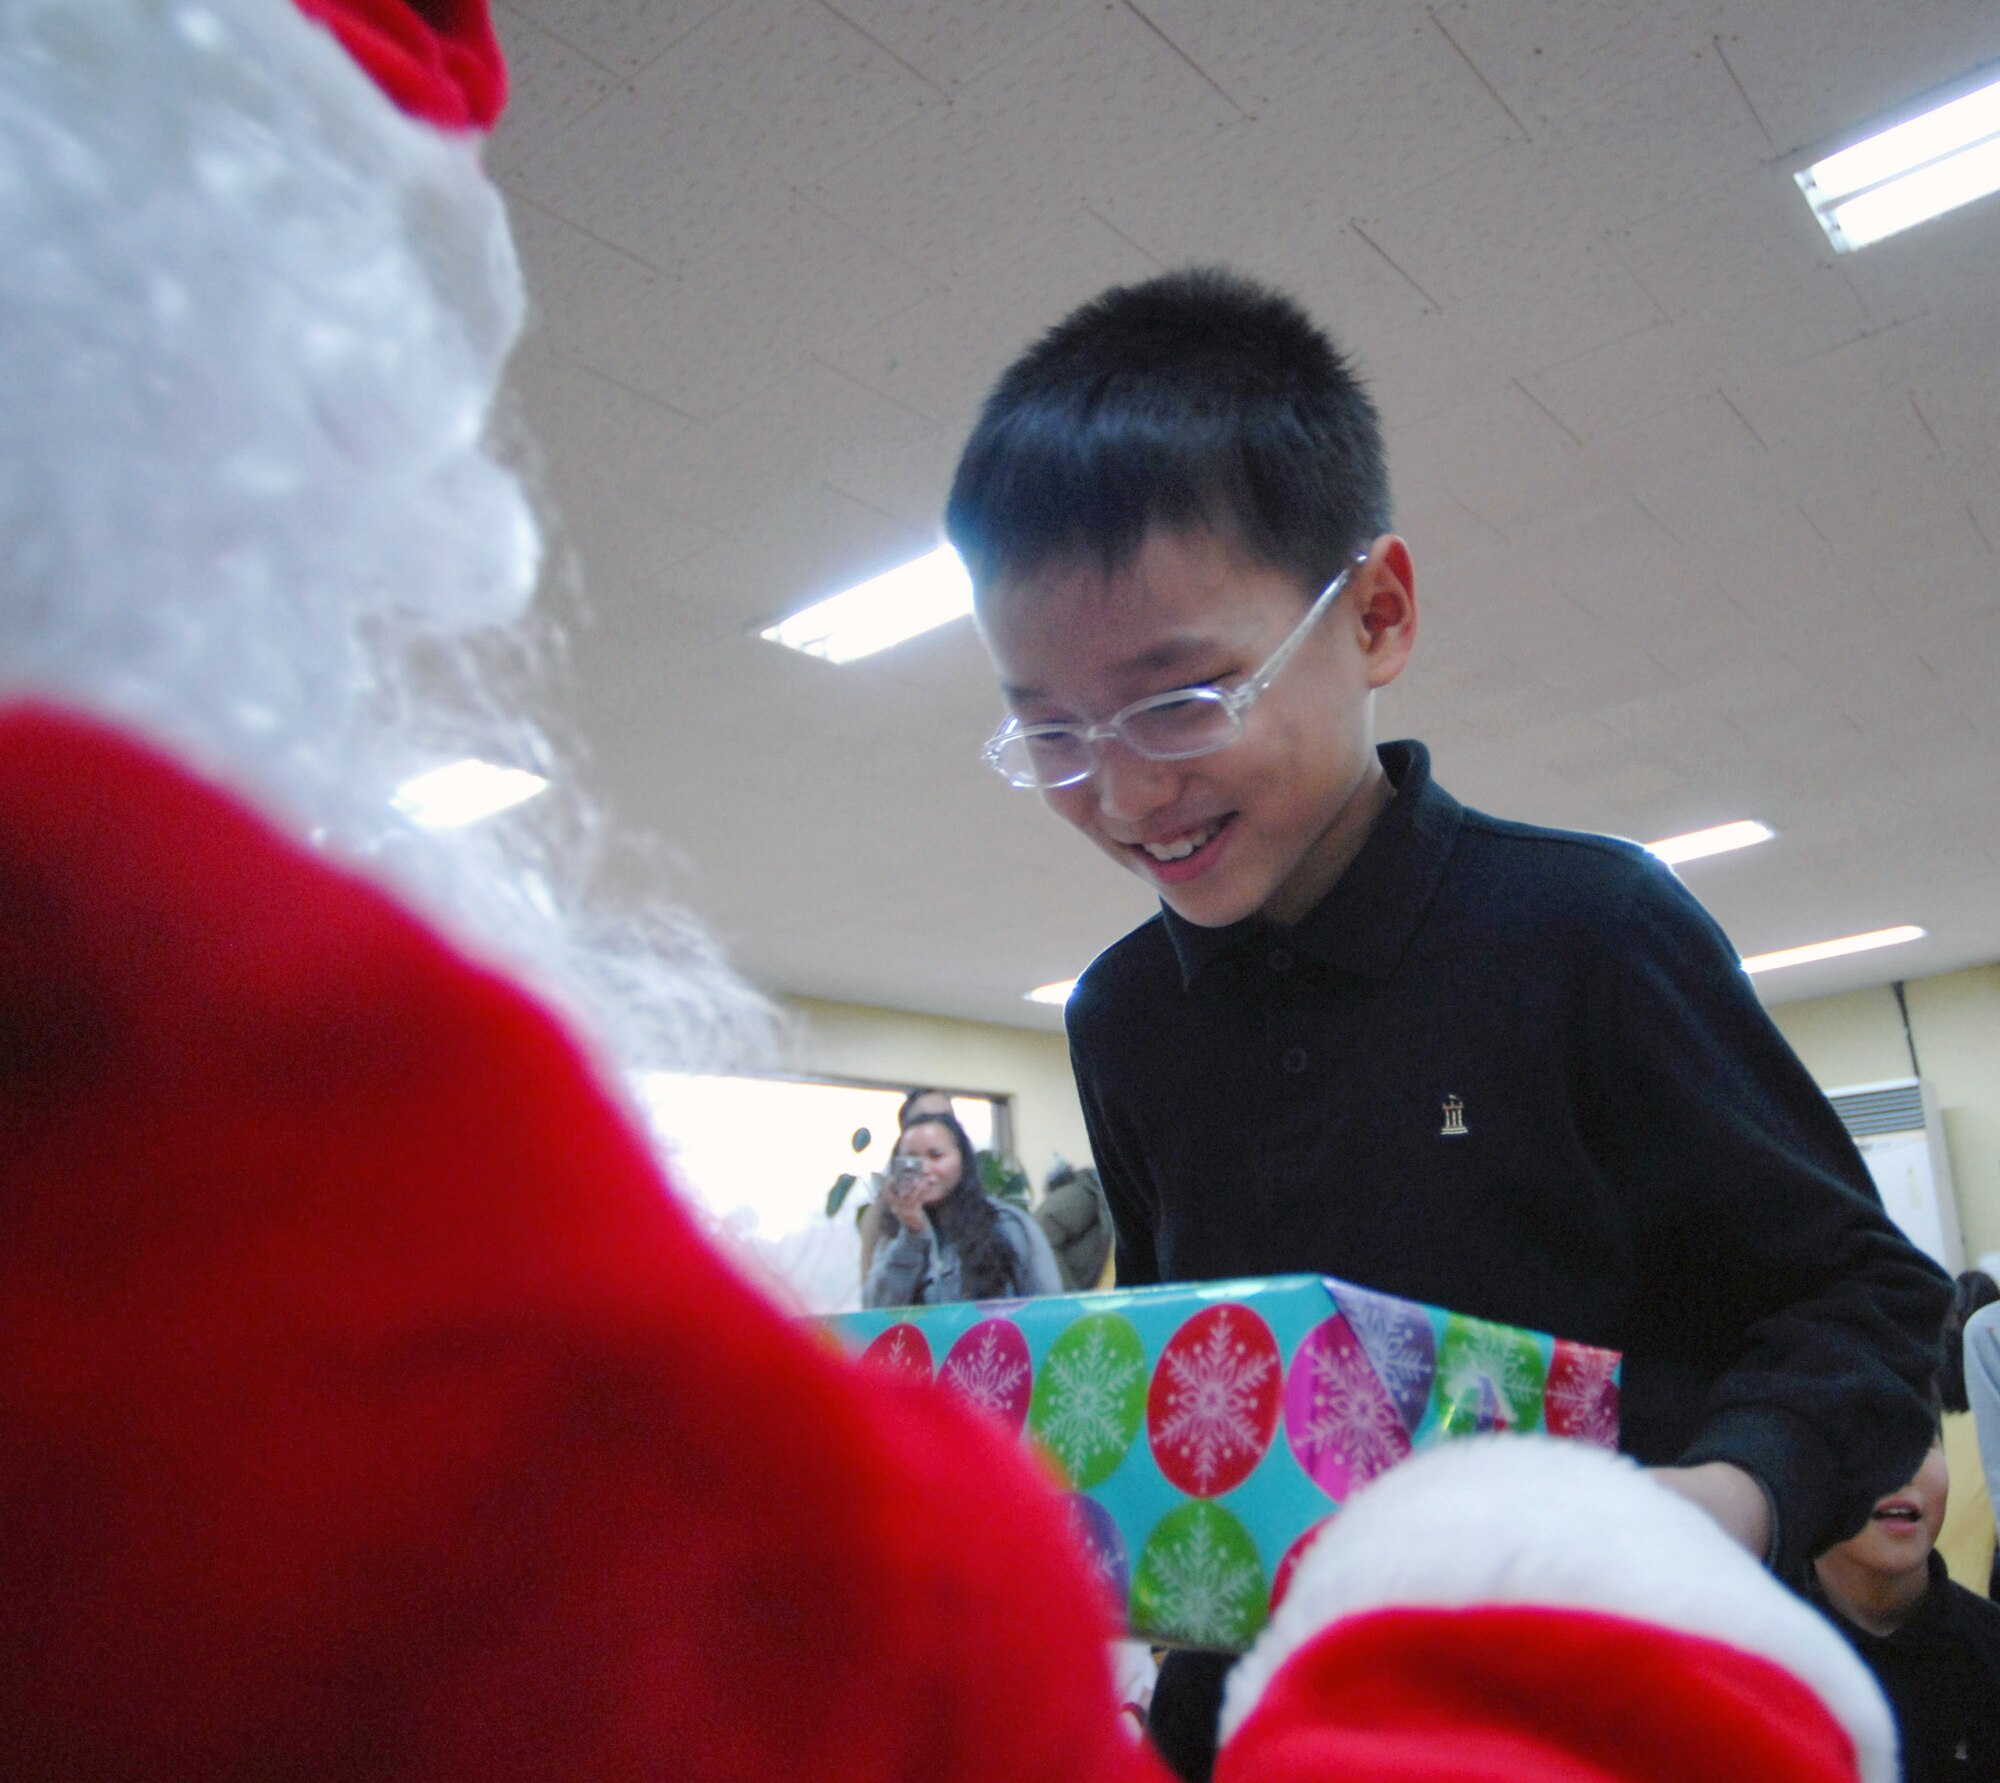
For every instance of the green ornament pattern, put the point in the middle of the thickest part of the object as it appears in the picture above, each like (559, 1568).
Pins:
(1090, 1397)
(1200, 1580)
(1489, 1377)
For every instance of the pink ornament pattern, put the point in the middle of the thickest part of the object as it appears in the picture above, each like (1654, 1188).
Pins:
(1213, 1406)
(1583, 1394)
(902, 1349)
(1343, 1426)
(990, 1366)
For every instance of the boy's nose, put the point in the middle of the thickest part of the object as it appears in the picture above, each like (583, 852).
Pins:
(1129, 786)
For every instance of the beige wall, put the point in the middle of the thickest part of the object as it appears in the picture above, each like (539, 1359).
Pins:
(886, 1046)
(1955, 1023)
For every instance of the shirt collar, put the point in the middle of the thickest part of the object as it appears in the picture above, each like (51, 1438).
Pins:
(1364, 924)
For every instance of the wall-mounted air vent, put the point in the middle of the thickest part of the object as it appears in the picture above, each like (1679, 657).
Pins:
(1880, 1108)
(1897, 1129)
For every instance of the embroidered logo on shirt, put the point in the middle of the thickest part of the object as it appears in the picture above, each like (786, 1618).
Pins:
(1454, 1119)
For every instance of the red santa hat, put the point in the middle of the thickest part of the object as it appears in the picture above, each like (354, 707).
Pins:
(437, 59)
(1522, 1610)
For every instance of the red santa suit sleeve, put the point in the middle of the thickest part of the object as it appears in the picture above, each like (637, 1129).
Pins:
(373, 1410)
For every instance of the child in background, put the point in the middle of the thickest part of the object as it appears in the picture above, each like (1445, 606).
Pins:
(1373, 1033)
(1933, 1645)
(1967, 1539)
(1980, 1354)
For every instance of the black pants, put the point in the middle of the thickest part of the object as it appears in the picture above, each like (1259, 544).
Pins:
(1187, 1704)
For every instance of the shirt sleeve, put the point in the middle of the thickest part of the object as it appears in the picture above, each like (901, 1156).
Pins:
(1119, 1169)
(1982, 1389)
(1813, 1320)
(901, 1265)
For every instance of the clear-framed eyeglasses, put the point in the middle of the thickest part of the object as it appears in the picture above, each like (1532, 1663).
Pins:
(1172, 726)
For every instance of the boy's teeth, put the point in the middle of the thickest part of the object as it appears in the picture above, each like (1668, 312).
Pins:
(1177, 850)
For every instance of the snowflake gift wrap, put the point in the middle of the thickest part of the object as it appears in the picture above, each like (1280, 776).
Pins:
(1207, 1431)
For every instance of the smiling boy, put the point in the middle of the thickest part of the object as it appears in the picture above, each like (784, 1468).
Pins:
(1373, 1033)
(1934, 1646)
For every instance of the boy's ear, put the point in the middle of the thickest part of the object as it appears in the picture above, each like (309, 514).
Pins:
(1385, 607)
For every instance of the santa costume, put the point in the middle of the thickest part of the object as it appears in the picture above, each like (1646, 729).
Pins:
(372, 1408)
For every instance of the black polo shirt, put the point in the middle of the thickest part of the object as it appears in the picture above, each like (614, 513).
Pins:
(1520, 1073)
(1941, 1674)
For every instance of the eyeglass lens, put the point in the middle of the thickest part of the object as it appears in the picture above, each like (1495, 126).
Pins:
(1195, 722)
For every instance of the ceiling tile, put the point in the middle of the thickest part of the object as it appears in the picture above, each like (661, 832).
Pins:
(662, 167)
(942, 355)
(1501, 454)
(907, 480)
(622, 35)
(948, 42)
(1679, 129)
(1267, 188)
(1736, 248)
(550, 84)
(709, 334)
(795, 435)
(1818, 82)
(615, 464)
(1058, 124)
(1547, 58)
(1257, 54)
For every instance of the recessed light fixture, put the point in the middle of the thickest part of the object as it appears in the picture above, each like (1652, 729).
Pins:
(464, 792)
(1935, 162)
(914, 597)
(1719, 840)
(1057, 993)
(1832, 950)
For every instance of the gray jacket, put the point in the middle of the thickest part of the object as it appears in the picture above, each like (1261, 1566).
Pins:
(912, 1269)
(1982, 1389)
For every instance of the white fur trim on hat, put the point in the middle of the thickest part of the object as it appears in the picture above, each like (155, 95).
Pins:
(1533, 1521)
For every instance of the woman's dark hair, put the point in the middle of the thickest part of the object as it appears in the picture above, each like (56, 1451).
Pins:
(1973, 1289)
(967, 1220)
(1198, 400)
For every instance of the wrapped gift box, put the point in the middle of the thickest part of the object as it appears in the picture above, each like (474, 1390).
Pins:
(1206, 1431)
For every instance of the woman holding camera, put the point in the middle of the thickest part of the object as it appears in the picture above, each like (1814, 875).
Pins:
(943, 1238)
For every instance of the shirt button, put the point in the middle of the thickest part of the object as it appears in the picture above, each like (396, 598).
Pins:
(1280, 960)
(1294, 1060)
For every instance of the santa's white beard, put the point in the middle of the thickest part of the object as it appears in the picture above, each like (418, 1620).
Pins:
(252, 322)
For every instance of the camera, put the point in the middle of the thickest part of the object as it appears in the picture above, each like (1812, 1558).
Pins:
(904, 1173)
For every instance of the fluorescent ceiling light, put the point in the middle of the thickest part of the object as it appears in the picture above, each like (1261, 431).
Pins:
(1920, 169)
(464, 792)
(1832, 950)
(914, 597)
(1698, 843)
(1057, 993)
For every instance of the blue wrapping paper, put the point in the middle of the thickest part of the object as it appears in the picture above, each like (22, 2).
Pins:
(1206, 1431)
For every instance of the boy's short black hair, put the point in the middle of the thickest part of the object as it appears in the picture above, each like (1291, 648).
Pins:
(1196, 400)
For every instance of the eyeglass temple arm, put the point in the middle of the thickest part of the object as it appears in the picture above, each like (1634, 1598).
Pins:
(1283, 654)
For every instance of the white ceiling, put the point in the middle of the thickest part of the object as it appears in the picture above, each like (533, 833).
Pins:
(1704, 517)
